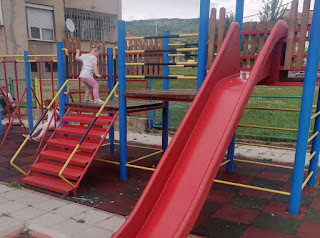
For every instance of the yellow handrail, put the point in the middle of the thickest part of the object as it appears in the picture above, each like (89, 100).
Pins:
(28, 137)
(78, 145)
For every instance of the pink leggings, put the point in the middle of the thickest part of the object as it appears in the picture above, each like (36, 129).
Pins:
(92, 85)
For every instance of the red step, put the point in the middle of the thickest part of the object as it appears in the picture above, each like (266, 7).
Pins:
(70, 143)
(62, 155)
(87, 119)
(52, 168)
(75, 130)
(49, 183)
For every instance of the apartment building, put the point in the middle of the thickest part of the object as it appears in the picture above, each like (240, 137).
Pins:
(36, 25)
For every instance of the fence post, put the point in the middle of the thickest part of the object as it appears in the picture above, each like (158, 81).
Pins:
(203, 39)
(305, 115)
(61, 76)
(29, 96)
(110, 87)
(165, 86)
(150, 111)
(122, 100)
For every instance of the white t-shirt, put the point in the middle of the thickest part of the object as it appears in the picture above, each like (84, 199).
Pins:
(50, 113)
(11, 100)
(87, 69)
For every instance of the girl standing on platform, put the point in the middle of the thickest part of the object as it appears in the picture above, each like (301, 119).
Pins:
(89, 66)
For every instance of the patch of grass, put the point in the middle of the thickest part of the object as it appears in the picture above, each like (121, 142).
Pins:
(14, 184)
(25, 232)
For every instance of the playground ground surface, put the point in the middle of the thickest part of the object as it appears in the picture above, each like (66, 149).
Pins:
(228, 211)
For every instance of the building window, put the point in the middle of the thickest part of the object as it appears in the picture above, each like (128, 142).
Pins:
(40, 22)
(93, 25)
(54, 67)
(34, 67)
(1, 18)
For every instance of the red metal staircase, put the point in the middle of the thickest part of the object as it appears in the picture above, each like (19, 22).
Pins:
(44, 173)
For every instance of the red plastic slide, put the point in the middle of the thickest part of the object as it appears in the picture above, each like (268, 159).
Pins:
(176, 192)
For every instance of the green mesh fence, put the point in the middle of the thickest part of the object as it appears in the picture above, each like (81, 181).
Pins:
(281, 113)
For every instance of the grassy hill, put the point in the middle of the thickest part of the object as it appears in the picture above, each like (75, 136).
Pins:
(175, 26)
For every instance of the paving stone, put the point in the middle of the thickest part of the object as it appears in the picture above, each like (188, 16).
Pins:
(11, 206)
(305, 200)
(245, 201)
(3, 200)
(94, 232)
(27, 213)
(9, 225)
(253, 232)
(48, 231)
(70, 227)
(50, 204)
(14, 194)
(276, 223)
(5, 188)
(111, 224)
(266, 183)
(70, 210)
(32, 199)
(93, 216)
(313, 216)
(47, 220)
(214, 227)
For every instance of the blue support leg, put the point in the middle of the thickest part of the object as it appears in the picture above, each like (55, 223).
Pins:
(239, 19)
(29, 95)
(230, 154)
(203, 39)
(122, 100)
(150, 112)
(110, 87)
(305, 113)
(61, 77)
(165, 86)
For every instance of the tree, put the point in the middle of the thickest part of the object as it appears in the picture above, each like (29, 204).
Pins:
(272, 10)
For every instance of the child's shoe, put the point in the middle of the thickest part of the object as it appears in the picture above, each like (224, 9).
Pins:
(37, 139)
(88, 100)
(98, 101)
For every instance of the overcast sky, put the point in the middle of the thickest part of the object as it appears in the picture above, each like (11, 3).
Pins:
(153, 9)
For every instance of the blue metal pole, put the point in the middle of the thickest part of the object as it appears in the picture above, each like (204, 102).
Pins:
(29, 95)
(61, 76)
(239, 13)
(305, 113)
(122, 100)
(165, 86)
(150, 112)
(0, 121)
(311, 71)
(230, 154)
(203, 39)
(110, 87)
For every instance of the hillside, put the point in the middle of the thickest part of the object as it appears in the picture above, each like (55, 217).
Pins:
(175, 26)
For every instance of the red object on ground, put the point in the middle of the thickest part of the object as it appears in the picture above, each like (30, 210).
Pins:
(176, 192)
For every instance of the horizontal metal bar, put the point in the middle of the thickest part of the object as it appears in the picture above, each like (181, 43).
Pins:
(310, 157)
(178, 63)
(225, 162)
(273, 109)
(267, 127)
(139, 167)
(313, 136)
(251, 187)
(161, 36)
(315, 115)
(182, 44)
(144, 157)
(267, 146)
(266, 136)
(175, 55)
(107, 161)
(307, 179)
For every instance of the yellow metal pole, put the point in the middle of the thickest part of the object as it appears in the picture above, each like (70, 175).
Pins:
(315, 115)
(310, 158)
(189, 35)
(107, 161)
(139, 167)
(313, 136)
(17, 153)
(144, 157)
(252, 187)
(187, 49)
(225, 162)
(307, 179)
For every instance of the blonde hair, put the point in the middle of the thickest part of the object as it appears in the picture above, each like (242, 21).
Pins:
(96, 47)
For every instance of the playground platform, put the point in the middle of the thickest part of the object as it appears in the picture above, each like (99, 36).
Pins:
(228, 211)
(163, 95)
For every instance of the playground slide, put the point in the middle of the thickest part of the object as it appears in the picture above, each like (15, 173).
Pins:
(177, 190)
